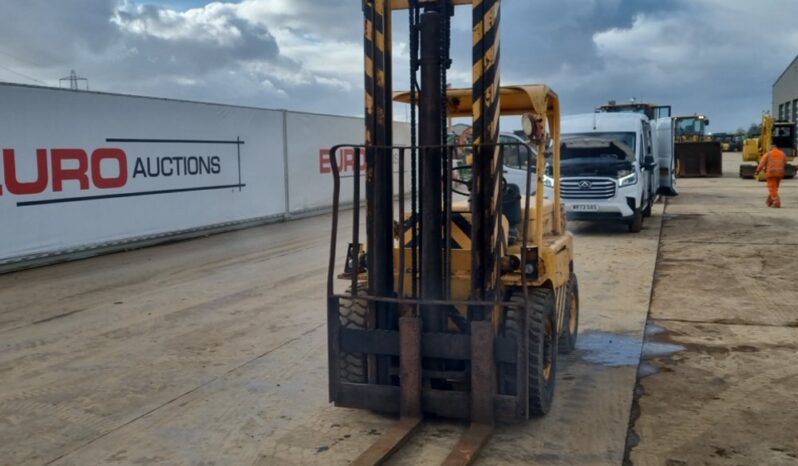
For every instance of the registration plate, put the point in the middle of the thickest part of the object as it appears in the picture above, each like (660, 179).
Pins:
(583, 207)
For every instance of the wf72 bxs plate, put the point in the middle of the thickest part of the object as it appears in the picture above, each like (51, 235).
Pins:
(582, 207)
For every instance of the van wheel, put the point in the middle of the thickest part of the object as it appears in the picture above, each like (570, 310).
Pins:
(636, 224)
(649, 205)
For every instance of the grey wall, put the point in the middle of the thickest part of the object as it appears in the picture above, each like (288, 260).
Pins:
(785, 94)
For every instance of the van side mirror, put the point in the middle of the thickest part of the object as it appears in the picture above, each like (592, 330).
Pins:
(649, 162)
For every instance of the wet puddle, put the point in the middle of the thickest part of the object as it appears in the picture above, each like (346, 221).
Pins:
(658, 349)
(645, 369)
(609, 349)
(615, 349)
(653, 329)
(657, 345)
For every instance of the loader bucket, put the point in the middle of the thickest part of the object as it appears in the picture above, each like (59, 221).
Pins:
(699, 159)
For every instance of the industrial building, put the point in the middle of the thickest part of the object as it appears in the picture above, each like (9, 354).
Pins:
(785, 93)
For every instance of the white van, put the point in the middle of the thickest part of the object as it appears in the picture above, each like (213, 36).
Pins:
(662, 132)
(608, 168)
(516, 158)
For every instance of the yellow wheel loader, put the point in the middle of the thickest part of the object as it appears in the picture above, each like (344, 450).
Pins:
(779, 133)
(697, 154)
(449, 306)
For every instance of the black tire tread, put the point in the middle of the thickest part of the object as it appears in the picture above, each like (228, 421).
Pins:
(636, 224)
(567, 341)
(541, 306)
(352, 366)
(511, 328)
(649, 206)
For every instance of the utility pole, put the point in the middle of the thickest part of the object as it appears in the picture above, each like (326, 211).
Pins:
(74, 80)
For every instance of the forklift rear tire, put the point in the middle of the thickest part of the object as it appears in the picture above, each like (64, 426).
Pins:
(567, 340)
(636, 224)
(352, 366)
(542, 351)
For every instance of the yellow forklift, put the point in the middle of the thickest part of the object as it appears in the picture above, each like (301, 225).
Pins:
(454, 306)
(780, 133)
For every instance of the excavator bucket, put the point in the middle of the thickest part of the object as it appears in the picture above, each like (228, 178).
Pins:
(699, 159)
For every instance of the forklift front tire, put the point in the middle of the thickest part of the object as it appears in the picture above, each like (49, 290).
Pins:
(567, 340)
(542, 350)
(353, 366)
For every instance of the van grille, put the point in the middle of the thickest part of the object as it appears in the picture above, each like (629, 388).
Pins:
(587, 188)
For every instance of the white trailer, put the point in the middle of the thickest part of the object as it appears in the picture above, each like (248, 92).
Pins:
(87, 172)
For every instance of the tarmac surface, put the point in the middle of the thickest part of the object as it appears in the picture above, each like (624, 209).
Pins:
(213, 351)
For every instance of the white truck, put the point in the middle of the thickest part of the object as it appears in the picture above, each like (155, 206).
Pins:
(608, 168)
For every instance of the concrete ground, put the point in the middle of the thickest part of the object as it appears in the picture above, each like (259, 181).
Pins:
(213, 351)
(719, 379)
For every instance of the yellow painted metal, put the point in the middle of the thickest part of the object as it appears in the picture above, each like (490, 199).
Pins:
(556, 256)
(751, 150)
(515, 100)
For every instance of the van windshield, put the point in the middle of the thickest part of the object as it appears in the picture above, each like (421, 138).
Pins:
(597, 154)
(628, 139)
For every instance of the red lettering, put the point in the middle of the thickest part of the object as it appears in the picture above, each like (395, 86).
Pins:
(61, 174)
(12, 181)
(345, 160)
(97, 177)
(324, 161)
(348, 159)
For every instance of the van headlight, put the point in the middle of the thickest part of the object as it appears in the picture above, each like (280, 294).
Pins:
(627, 180)
(548, 181)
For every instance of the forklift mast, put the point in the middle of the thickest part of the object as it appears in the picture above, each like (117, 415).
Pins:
(430, 44)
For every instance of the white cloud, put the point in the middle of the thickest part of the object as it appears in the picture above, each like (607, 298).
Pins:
(715, 56)
(659, 41)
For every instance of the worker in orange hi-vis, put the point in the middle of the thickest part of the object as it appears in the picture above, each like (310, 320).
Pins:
(773, 163)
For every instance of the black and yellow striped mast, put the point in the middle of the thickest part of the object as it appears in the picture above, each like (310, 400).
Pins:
(486, 198)
(379, 171)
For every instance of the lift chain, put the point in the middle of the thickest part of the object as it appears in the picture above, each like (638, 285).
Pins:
(414, 12)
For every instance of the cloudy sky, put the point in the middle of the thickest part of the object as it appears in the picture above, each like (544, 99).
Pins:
(719, 57)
